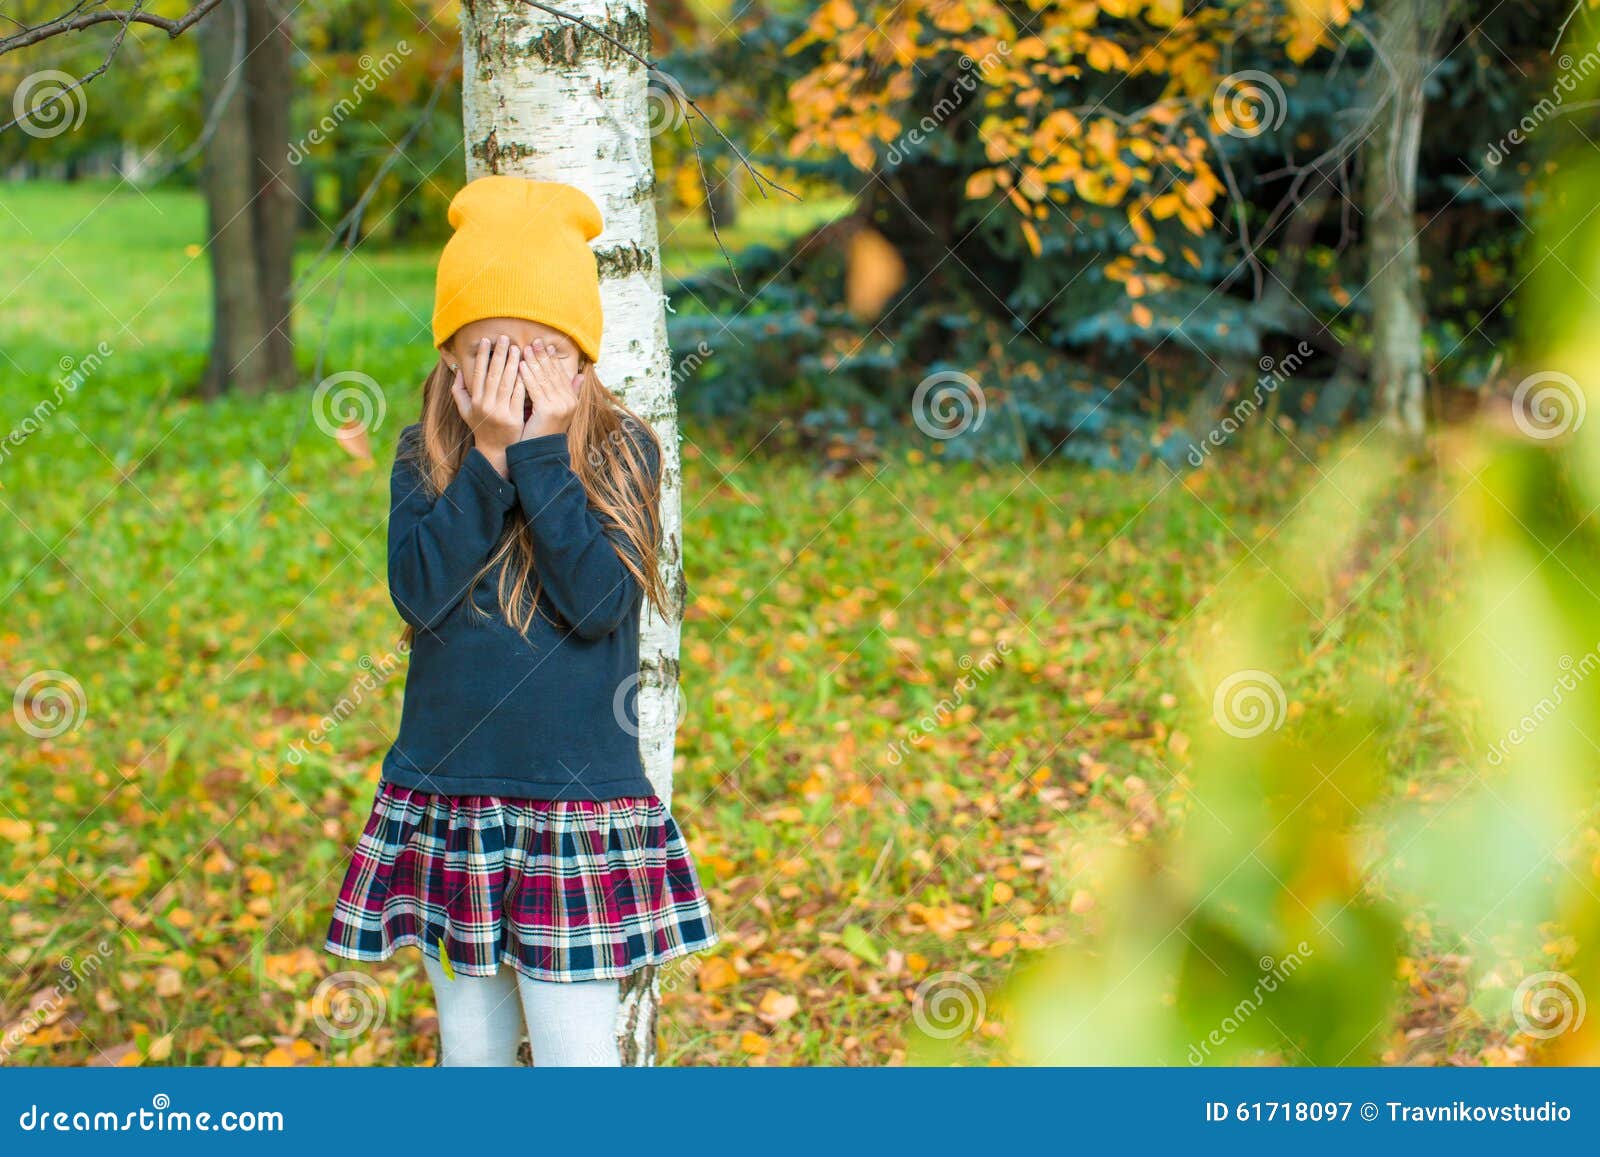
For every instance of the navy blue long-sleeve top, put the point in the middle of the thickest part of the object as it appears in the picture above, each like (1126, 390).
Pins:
(488, 712)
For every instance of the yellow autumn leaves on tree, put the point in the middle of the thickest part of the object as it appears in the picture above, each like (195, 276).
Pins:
(1153, 159)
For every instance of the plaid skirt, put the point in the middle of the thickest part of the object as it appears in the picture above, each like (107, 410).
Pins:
(557, 889)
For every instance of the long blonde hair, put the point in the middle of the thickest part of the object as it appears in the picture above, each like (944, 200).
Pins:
(606, 444)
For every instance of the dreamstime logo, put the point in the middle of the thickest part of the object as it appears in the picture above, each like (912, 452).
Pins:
(73, 372)
(1547, 1004)
(690, 363)
(348, 1004)
(1547, 405)
(348, 400)
(968, 80)
(46, 1008)
(676, 974)
(372, 72)
(628, 692)
(375, 673)
(1274, 372)
(627, 431)
(947, 1005)
(944, 709)
(49, 103)
(1247, 104)
(1249, 703)
(49, 703)
(1573, 673)
(665, 102)
(947, 404)
(1273, 973)
(1569, 82)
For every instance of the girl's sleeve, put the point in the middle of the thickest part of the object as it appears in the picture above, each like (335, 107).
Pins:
(574, 549)
(437, 545)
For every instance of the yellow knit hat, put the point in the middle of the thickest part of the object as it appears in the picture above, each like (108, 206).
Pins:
(521, 249)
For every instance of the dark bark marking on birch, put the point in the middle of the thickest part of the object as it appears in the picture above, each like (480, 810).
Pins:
(519, 33)
(621, 260)
(629, 1043)
(492, 153)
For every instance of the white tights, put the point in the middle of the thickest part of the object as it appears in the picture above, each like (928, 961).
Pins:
(481, 1018)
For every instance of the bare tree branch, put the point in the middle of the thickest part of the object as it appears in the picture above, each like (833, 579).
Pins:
(87, 13)
(1562, 31)
(77, 19)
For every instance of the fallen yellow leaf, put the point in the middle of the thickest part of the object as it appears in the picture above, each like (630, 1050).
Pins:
(715, 973)
(777, 1006)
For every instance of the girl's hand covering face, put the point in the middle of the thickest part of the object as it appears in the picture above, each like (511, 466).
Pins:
(551, 391)
(489, 394)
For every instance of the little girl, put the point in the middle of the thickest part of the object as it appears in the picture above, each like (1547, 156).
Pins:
(515, 838)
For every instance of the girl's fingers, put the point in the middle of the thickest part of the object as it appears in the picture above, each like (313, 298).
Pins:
(535, 382)
(548, 360)
(508, 379)
(550, 370)
(497, 366)
(532, 354)
(536, 373)
(480, 367)
(515, 403)
(528, 385)
(463, 400)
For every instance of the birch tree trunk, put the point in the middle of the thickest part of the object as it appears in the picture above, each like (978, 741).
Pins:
(544, 98)
(1410, 35)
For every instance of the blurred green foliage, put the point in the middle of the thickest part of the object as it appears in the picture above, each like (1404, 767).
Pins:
(1415, 819)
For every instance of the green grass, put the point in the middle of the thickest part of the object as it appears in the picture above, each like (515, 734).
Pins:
(212, 612)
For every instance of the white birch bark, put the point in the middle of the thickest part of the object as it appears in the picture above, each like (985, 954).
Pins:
(547, 99)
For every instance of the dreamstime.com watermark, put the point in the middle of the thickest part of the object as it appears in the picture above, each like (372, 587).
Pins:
(1548, 405)
(977, 671)
(1273, 374)
(73, 373)
(348, 1005)
(1249, 703)
(1273, 973)
(1570, 80)
(948, 404)
(346, 401)
(627, 431)
(375, 673)
(1547, 1004)
(1249, 103)
(49, 102)
(628, 695)
(689, 364)
(44, 1009)
(665, 102)
(49, 703)
(373, 72)
(972, 74)
(947, 1005)
(160, 1117)
(1573, 673)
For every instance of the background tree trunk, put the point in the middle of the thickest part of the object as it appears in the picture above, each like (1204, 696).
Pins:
(268, 72)
(547, 99)
(1411, 32)
(250, 206)
(238, 349)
